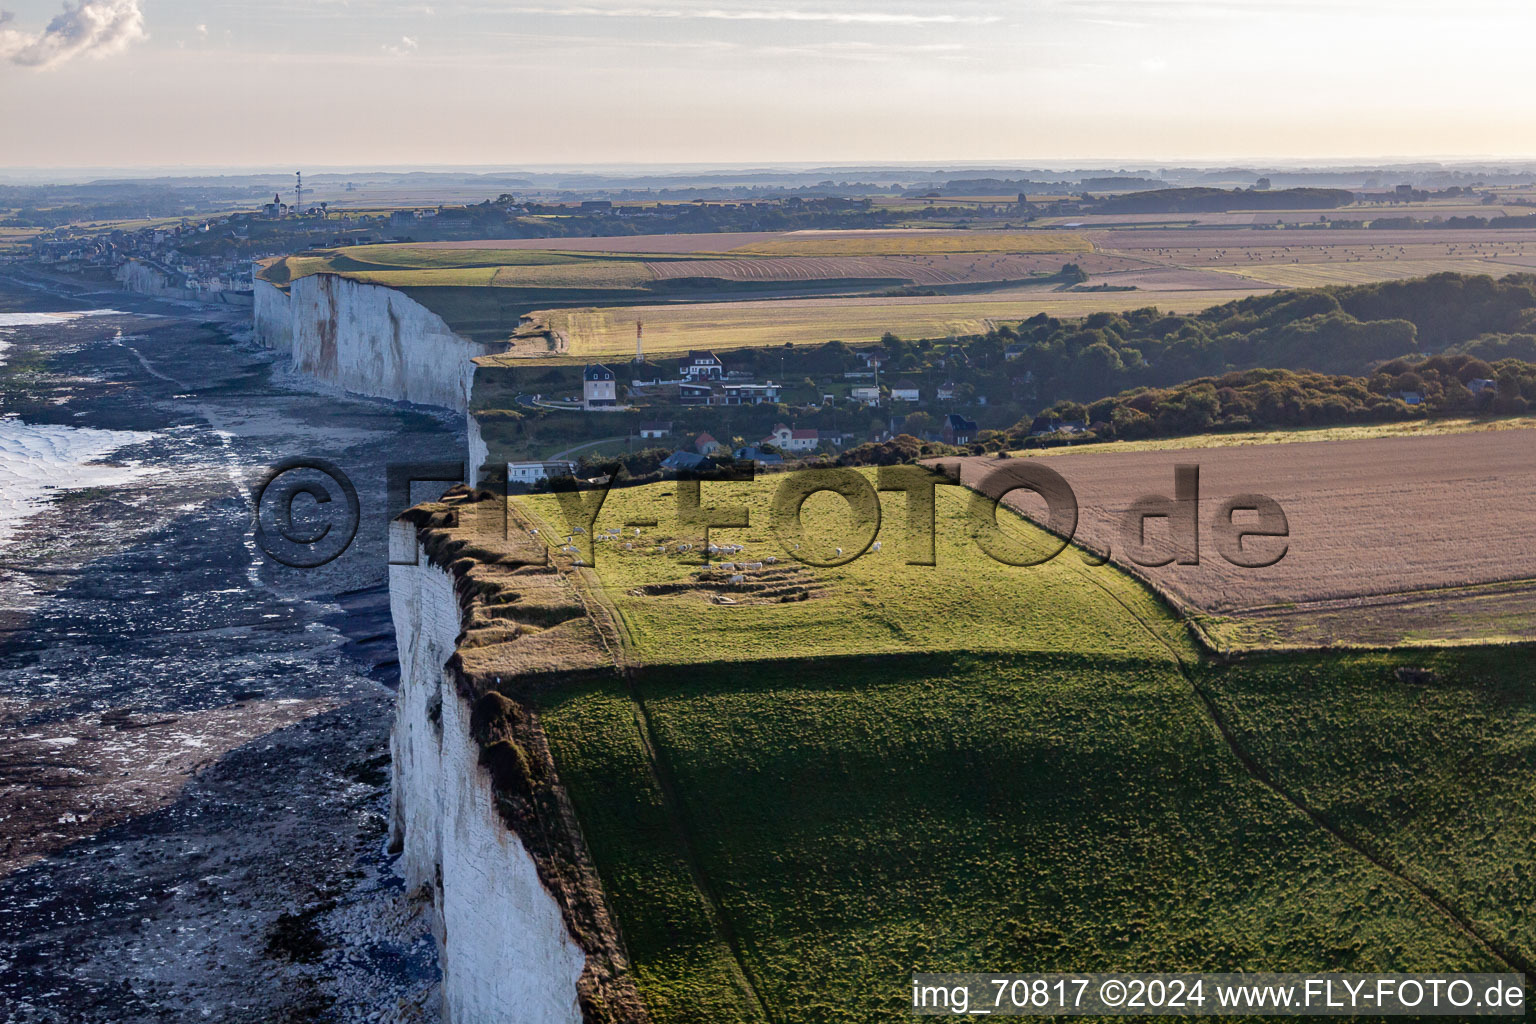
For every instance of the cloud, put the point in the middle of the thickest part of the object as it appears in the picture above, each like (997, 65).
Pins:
(764, 14)
(404, 48)
(90, 28)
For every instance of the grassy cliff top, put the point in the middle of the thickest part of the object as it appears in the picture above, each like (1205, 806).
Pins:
(675, 610)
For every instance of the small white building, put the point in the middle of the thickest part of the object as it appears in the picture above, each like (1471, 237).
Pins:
(786, 439)
(906, 391)
(867, 395)
(656, 428)
(533, 472)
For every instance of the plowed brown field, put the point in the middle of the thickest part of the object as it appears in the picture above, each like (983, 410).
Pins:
(1392, 540)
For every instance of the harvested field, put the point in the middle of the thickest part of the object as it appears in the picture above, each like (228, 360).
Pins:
(803, 243)
(892, 243)
(718, 242)
(1360, 270)
(610, 331)
(1417, 539)
(963, 268)
(1301, 238)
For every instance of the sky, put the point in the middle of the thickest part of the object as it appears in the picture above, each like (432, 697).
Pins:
(359, 83)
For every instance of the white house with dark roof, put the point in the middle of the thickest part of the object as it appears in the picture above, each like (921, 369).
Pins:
(599, 388)
(656, 428)
(700, 365)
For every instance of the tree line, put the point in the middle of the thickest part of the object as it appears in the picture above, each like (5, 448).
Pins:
(1458, 384)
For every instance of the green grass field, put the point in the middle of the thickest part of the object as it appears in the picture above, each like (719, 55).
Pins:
(858, 820)
(876, 604)
(793, 807)
(1436, 775)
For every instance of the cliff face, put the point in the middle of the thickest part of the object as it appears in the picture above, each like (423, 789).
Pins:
(485, 624)
(273, 326)
(506, 952)
(478, 452)
(369, 339)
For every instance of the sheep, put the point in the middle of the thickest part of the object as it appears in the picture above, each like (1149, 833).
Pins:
(713, 549)
(771, 560)
(876, 546)
(579, 529)
(628, 546)
(738, 578)
(839, 552)
(728, 566)
(637, 531)
(534, 532)
(752, 565)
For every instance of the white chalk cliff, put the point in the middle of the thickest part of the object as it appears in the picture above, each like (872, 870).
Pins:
(506, 953)
(368, 339)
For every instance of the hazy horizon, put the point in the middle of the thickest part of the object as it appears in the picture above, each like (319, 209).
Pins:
(455, 84)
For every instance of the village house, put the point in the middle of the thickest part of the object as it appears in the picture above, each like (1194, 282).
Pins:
(703, 366)
(599, 390)
(746, 394)
(947, 390)
(752, 453)
(694, 393)
(957, 429)
(656, 428)
(705, 444)
(867, 395)
(687, 461)
(530, 473)
(906, 391)
(787, 439)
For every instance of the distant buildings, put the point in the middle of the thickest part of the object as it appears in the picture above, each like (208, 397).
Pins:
(704, 444)
(906, 391)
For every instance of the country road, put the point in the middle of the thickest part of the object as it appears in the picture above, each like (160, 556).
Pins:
(582, 447)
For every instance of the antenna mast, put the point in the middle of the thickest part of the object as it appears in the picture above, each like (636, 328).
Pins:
(298, 193)
(639, 341)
